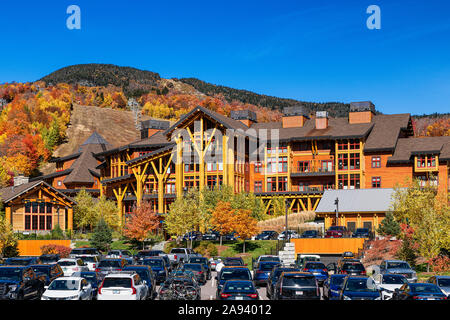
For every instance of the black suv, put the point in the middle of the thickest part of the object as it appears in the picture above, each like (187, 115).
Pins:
(296, 286)
(20, 283)
(267, 235)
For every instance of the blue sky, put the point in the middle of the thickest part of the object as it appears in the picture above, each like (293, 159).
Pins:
(308, 50)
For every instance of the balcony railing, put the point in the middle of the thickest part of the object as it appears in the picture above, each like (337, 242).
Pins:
(312, 170)
(312, 188)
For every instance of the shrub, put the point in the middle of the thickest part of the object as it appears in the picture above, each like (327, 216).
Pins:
(63, 251)
(102, 237)
(57, 233)
(440, 264)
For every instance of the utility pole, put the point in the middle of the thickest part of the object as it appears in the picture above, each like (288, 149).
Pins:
(336, 202)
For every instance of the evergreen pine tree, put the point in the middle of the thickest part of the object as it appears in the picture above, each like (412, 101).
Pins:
(389, 226)
(102, 237)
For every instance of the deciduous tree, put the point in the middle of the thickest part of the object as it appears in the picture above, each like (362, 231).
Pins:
(141, 221)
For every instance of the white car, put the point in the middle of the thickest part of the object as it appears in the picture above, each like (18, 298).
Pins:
(122, 286)
(71, 265)
(68, 288)
(90, 261)
(292, 235)
(388, 282)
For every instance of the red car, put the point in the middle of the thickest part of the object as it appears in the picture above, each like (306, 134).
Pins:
(337, 232)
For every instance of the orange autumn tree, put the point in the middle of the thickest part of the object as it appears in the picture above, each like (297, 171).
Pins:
(246, 225)
(141, 221)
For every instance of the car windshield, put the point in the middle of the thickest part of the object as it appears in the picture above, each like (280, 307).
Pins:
(110, 282)
(48, 259)
(310, 232)
(335, 228)
(269, 258)
(353, 267)
(88, 259)
(147, 253)
(241, 274)
(10, 274)
(64, 285)
(143, 273)
(394, 279)
(277, 272)
(67, 263)
(398, 265)
(239, 286)
(177, 251)
(198, 260)
(153, 262)
(337, 281)
(193, 266)
(314, 265)
(42, 269)
(431, 288)
(88, 276)
(18, 262)
(84, 251)
(362, 230)
(267, 266)
(443, 282)
(360, 285)
(109, 264)
(298, 280)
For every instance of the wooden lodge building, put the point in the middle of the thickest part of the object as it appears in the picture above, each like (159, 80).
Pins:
(298, 158)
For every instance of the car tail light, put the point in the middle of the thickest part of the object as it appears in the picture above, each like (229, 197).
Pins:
(94, 266)
(97, 270)
(100, 289)
(134, 290)
(75, 269)
(306, 270)
(200, 272)
(225, 295)
(363, 272)
(175, 257)
(416, 298)
(252, 295)
(259, 271)
(324, 270)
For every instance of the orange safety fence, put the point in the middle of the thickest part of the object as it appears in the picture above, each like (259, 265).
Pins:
(327, 245)
(33, 247)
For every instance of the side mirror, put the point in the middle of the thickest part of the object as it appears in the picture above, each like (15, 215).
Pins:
(45, 287)
(145, 281)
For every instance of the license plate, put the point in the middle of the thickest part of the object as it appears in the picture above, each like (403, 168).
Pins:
(299, 293)
(116, 291)
(316, 273)
(431, 299)
(239, 298)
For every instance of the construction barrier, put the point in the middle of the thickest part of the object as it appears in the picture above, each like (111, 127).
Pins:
(327, 245)
(33, 247)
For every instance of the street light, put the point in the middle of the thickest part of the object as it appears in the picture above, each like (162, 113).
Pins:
(288, 202)
(336, 202)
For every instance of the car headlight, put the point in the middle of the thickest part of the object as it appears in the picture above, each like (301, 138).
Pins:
(379, 298)
(347, 298)
(72, 297)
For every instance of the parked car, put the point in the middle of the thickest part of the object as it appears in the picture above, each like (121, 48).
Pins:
(49, 258)
(22, 261)
(266, 257)
(178, 255)
(181, 280)
(388, 282)
(238, 290)
(205, 262)
(351, 267)
(303, 258)
(49, 271)
(20, 283)
(159, 268)
(233, 261)
(125, 254)
(296, 286)
(361, 233)
(229, 237)
(106, 266)
(292, 235)
(68, 288)
(122, 286)
(267, 235)
(93, 278)
(263, 270)
(84, 252)
(333, 286)
(318, 269)
(198, 269)
(442, 282)
(310, 234)
(193, 235)
(212, 236)
(214, 261)
(359, 288)
(399, 267)
(337, 232)
(71, 265)
(419, 291)
(147, 275)
(144, 254)
(231, 273)
(90, 261)
(274, 276)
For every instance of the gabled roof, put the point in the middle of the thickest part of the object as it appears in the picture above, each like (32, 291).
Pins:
(356, 200)
(95, 138)
(408, 147)
(10, 193)
(52, 175)
(152, 154)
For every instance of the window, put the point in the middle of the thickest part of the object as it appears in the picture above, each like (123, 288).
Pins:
(343, 145)
(282, 183)
(376, 182)
(170, 186)
(303, 186)
(354, 144)
(258, 186)
(211, 181)
(282, 164)
(421, 162)
(431, 161)
(258, 167)
(342, 161)
(271, 184)
(354, 181)
(343, 181)
(303, 166)
(327, 165)
(376, 162)
(271, 165)
(354, 161)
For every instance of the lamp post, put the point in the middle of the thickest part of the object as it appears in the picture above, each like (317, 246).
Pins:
(286, 214)
(336, 202)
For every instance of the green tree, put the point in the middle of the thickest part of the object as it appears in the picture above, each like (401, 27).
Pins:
(8, 240)
(102, 237)
(85, 215)
(108, 211)
(57, 233)
(389, 226)
(248, 201)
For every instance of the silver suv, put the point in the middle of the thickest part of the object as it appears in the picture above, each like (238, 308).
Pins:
(398, 267)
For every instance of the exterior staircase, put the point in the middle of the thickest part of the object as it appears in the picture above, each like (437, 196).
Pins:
(287, 255)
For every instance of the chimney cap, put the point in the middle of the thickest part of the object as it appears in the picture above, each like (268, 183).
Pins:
(243, 115)
(155, 124)
(297, 110)
(362, 106)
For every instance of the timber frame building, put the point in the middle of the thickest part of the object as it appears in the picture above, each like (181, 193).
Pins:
(297, 158)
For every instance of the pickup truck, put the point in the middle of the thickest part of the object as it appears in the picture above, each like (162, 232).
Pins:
(20, 282)
(178, 255)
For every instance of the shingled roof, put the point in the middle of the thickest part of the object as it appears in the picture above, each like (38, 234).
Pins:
(10, 193)
(408, 147)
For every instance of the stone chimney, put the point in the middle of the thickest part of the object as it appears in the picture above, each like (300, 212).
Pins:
(20, 179)
(321, 120)
(361, 112)
(294, 117)
(247, 117)
(150, 127)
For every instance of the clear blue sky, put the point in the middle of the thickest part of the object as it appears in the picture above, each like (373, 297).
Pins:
(308, 50)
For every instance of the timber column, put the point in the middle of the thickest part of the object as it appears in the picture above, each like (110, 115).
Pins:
(70, 219)
(179, 168)
(8, 215)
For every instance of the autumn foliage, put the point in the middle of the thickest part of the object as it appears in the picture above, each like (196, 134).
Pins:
(63, 251)
(141, 221)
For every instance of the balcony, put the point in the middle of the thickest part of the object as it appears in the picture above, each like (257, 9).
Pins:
(312, 171)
